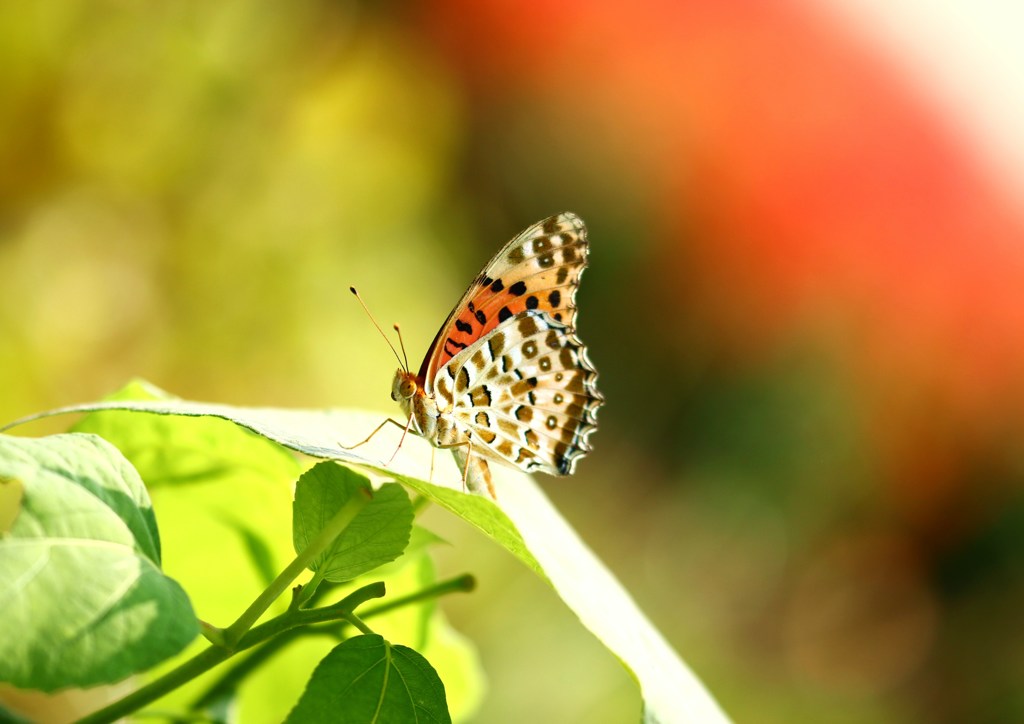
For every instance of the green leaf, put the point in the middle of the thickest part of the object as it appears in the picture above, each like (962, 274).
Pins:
(523, 521)
(84, 601)
(377, 535)
(170, 451)
(93, 464)
(425, 628)
(367, 679)
(11, 493)
(207, 477)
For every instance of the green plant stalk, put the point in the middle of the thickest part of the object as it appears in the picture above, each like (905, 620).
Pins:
(358, 623)
(233, 678)
(333, 528)
(206, 660)
(464, 584)
(302, 599)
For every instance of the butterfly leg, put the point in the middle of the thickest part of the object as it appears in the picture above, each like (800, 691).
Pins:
(405, 431)
(465, 462)
(475, 471)
(461, 457)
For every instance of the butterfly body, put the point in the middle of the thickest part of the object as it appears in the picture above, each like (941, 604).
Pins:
(439, 427)
(506, 379)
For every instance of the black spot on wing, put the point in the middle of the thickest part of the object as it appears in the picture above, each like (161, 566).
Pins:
(496, 285)
(519, 288)
(456, 345)
(503, 314)
(463, 327)
(481, 317)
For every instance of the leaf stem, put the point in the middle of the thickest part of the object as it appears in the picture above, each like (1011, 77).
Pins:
(341, 519)
(358, 623)
(464, 584)
(206, 660)
(308, 589)
(232, 679)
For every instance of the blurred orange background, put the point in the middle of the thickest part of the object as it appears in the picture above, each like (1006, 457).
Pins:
(806, 296)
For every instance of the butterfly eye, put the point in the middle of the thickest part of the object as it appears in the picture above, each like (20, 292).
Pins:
(408, 388)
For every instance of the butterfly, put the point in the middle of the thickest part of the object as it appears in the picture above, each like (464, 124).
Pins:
(506, 379)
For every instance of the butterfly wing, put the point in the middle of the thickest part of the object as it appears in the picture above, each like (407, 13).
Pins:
(526, 390)
(538, 270)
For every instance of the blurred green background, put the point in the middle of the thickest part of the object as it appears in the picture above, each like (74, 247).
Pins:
(805, 299)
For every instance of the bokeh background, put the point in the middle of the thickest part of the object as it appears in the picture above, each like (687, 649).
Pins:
(806, 296)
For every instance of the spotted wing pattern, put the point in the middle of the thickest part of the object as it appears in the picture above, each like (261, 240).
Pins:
(527, 391)
(538, 270)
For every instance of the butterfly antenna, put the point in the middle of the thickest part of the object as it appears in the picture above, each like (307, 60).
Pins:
(367, 310)
(401, 343)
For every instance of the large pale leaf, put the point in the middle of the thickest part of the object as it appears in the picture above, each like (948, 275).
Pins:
(83, 598)
(522, 520)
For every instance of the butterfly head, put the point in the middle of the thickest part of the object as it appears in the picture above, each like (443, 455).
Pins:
(407, 390)
(404, 386)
